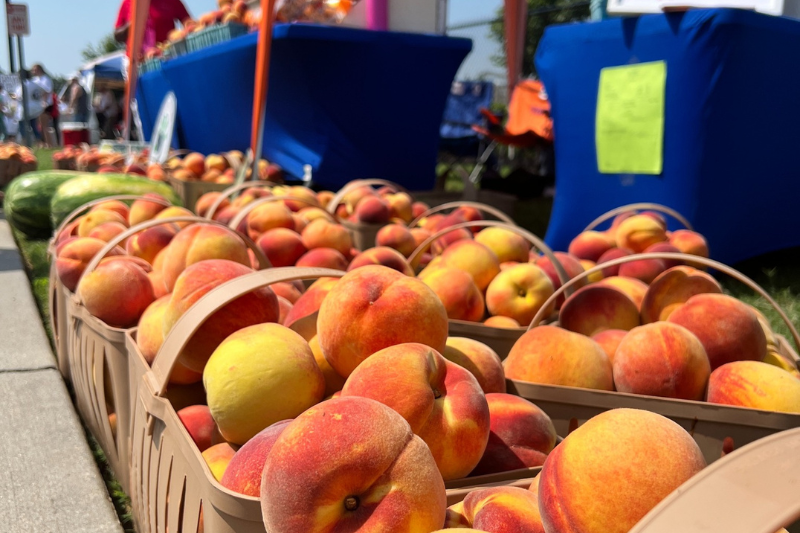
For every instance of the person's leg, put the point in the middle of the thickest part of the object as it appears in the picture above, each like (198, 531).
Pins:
(57, 131)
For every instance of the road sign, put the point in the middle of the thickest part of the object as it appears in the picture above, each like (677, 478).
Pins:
(18, 23)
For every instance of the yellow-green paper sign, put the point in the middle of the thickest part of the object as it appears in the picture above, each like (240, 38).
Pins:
(629, 125)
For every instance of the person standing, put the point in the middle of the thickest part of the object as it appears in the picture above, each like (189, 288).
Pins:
(109, 109)
(77, 101)
(160, 21)
(40, 79)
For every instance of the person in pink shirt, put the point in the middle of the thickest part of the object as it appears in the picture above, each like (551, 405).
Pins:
(160, 21)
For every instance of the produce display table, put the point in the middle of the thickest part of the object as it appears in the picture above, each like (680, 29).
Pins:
(730, 152)
(351, 103)
(150, 92)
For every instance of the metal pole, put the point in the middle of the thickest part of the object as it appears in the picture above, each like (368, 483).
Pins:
(26, 123)
(11, 66)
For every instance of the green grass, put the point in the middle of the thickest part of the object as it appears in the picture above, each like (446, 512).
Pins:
(45, 157)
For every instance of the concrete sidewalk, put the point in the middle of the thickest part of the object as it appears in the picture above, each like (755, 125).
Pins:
(50, 482)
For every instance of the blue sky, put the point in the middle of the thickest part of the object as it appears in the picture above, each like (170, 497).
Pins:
(61, 28)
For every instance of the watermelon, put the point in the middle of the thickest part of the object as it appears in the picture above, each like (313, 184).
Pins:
(74, 193)
(27, 200)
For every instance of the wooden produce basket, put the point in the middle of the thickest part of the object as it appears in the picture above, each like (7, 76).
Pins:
(716, 428)
(171, 484)
(449, 206)
(58, 295)
(98, 363)
(498, 339)
(499, 200)
(364, 235)
(233, 190)
(646, 206)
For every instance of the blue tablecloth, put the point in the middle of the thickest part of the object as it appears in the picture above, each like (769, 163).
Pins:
(150, 93)
(732, 124)
(351, 103)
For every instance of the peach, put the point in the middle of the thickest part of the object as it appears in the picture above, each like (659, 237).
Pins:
(555, 356)
(289, 290)
(333, 381)
(95, 218)
(351, 464)
(300, 223)
(218, 457)
(157, 281)
(373, 210)
(419, 208)
(216, 162)
(521, 435)
(572, 266)
(609, 340)
(480, 360)
(321, 233)
(309, 214)
(194, 163)
(400, 206)
(645, 270)
(200, 425)
(658, 217)
(506, 244)
(473, 258)
(638, 232)
(619, 219)
(374, 307)
(383, 255)
(661, 359)
(689, 242)
(441, 400)
(150, 335)
(398, 237)
(591, 245)
(461, 298)
(324, 198)
(597, 307)
(634, 288)
(665, 247)
(200, 242)
(107, 231)
(257, 307)
(148, 243)
(614, 253)
(588, 265)
(247, 376)
(727, 328)
(117, 293)
(501, 322)
(755, 385)
(323, 258)
(175, 211)
(284, 306)
(282, 246)
(268, 216)
(455, 518)
(306, 198)
(502, 509)
(205, 202)
(71, 230)
(672, 289)
(113, 205)
(519, 292)
(655, 454)
(243, 474)
(303, 316)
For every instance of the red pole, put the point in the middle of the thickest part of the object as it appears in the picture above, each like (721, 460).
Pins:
(138, 18)
(262, 78)
(516, 21)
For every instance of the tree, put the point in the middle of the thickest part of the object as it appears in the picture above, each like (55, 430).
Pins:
(107, 45)
(541, 13)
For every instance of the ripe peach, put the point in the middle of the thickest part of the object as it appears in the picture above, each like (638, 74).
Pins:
(638, 232)
(95, 218)
(375, 307)
(571, 265)
(373, 210)
(113, 205)
(441, 400)
(382, 255)
(107, 231)
(656, 454)
(672, 289)
(480, 360)
(333, 381)
(521, 435)
(461, 298)
(200, 425)
(665, 247)
(591, 245)
(303, 316)
(588, 265)
(397, 237)
(148, 243)
(324, 198)
(205, 202)
(348, 464)
(473, 258)
(200, 242)
(117, 293)
(75, 256)
(284, 306)
(645, 270)
(400, 206)
(289, 290)
(282, 246)
(555, 356)
(257, 307)
(501, 322)
(309, 214)
(307, 198)
(727, 328)
(243, 474)
(419, 208)
(323, 258)
(661, 359)
(609, 340)
(614, 253)
(634, 288)
(218, 457)
(321, 233)
(506, 509)
(597, 307)
(506, 244)
(755, 385)
(519, 292)
(216, 162)
(268, 216)
(175, 211)
(150, 335)
(194, 163)
(689, 242)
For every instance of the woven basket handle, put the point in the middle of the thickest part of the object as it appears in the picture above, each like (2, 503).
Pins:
(79, 211)
(499, 215)
(336, 200)
(639, 207)
(233, 189)
(262, 259)
(215, 300)
(269, 199)
(530, 237)
(689, 259)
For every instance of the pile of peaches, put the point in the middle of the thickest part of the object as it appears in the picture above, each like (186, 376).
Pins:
(213, 168)
(91, 159)
(17, 160)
